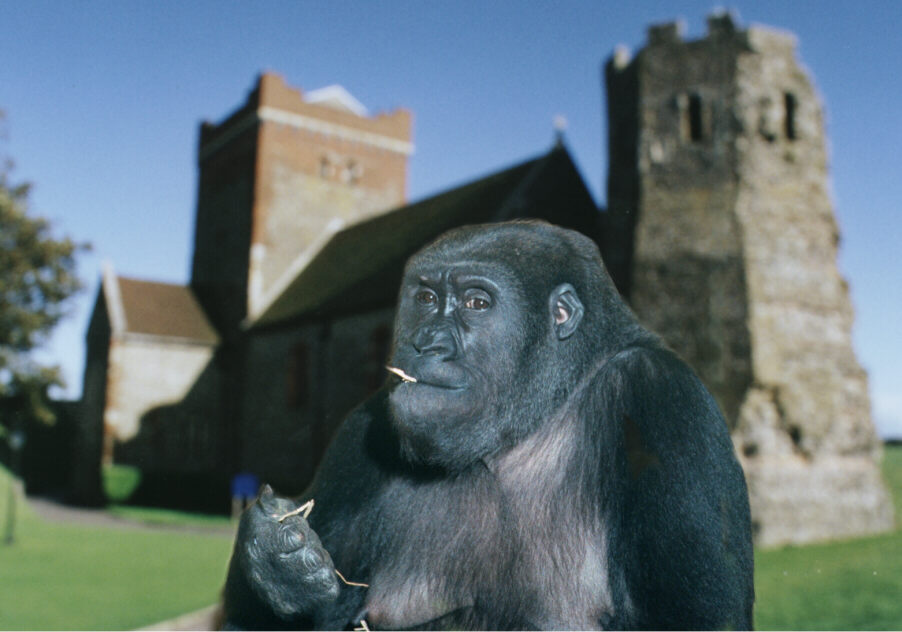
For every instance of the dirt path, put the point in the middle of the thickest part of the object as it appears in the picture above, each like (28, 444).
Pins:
(53, 511)
(205, 619)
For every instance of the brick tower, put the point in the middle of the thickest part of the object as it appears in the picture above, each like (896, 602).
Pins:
(276, 178)
(721, 233)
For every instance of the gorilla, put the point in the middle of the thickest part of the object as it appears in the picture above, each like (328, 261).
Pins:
(536, 459)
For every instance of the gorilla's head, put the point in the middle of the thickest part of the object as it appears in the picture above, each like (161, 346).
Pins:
(492, 316)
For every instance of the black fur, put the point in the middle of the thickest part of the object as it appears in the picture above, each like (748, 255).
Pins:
(554, 466)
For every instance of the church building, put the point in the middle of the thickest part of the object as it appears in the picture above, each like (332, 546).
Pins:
(719, 231)
(301, 235)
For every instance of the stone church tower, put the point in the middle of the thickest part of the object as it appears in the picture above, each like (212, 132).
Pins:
(722, 235)
(277, 177)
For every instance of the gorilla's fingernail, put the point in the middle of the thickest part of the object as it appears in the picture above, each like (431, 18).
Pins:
(401, 374)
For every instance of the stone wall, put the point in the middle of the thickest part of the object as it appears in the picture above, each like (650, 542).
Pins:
(222, 230)
(317, 165)
(734, 264)
(86, 486)
(273, 176)
(305, 379)
(686, 278)
(805, 432)
(147, 373)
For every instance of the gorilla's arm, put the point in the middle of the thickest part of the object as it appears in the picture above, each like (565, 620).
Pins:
(684, 523)
(281, 574)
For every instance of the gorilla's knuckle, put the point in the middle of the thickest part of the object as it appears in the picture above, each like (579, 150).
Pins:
(290, 538)
(311, 559)
(325, 580)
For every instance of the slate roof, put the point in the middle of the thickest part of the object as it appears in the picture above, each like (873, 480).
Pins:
(164, 309)
(360, 267)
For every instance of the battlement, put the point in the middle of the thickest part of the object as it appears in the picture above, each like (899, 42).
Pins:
(722, 27)
(721, 24)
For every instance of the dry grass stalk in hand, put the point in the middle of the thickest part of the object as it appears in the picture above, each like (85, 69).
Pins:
(304, 509)
(342, 578)
(363, 627)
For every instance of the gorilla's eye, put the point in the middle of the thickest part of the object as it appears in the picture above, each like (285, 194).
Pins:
(477, 303)
(426, 297)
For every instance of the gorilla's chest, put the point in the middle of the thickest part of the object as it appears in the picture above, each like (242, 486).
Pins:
(472, 556)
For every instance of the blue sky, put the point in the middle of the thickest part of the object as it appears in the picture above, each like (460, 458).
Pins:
(103, 102)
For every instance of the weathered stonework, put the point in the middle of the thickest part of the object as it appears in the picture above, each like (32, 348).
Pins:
(305, 380)
(723, 229)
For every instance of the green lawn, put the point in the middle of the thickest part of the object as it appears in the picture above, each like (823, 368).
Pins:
(854, 585)
(850, 585)
(67, 577)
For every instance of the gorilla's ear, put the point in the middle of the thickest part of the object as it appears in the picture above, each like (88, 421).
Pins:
(566, 310)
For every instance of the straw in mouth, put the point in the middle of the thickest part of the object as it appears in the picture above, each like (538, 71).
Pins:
(401, 374)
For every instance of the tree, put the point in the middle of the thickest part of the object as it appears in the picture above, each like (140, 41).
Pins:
(37, 278)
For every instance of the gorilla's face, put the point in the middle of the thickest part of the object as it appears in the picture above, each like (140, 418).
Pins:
(483, 342)
(461, 334)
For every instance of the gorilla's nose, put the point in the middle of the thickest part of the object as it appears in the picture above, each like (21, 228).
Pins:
(435, 341)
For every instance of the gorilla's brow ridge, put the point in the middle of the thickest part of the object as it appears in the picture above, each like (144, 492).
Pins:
(488, 268)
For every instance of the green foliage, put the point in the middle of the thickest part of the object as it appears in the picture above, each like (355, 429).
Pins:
(120, 481)
(37, 277)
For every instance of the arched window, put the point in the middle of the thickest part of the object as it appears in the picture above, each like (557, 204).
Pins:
(692, 116)
(789, 120)
(694, 120)
(325, 168)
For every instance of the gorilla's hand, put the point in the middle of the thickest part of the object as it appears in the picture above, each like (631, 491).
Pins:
(282, 559)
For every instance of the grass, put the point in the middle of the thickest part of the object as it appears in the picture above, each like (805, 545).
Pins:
(69, 577)
(848, 585)
(853, 585)
(892, 474)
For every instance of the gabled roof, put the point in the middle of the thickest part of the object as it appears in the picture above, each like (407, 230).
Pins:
(360, 267)
(156, 309)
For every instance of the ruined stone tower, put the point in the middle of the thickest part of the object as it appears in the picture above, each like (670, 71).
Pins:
(278, 176)
(722, 235)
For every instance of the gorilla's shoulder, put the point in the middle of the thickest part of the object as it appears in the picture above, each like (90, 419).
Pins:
(648, 363)
(651, 385)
